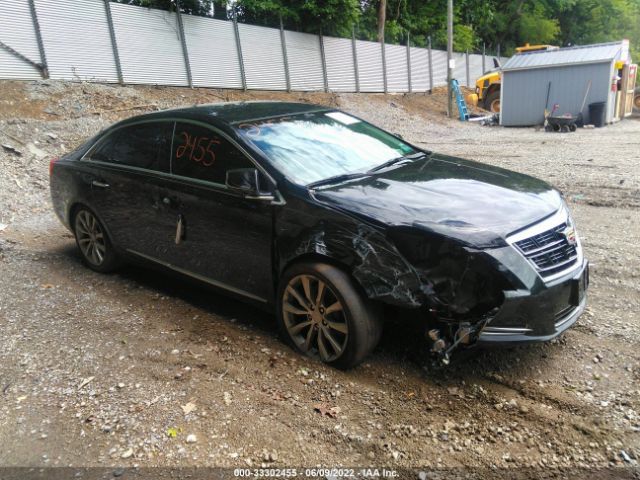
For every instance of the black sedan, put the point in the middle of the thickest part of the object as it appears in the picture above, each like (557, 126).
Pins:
(327, 219)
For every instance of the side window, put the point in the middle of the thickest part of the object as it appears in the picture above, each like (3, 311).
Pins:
(201, 153)
(145, 145)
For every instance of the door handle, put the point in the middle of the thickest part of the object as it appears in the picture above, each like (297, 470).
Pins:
(99, 184)
(180, 230)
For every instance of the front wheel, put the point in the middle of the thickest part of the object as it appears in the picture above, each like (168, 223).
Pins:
(322, 315)
(492, 102)
(93, 242)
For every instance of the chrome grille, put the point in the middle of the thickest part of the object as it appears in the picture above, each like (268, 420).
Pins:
(549, 251)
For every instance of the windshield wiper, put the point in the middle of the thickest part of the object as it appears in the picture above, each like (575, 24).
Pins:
(393, 161)
(336, 179)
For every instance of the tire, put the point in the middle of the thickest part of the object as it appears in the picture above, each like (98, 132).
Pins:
(335, 324)
(636, 101)
(564, 128)
(492, 102)
(95, 247)
(573, 127)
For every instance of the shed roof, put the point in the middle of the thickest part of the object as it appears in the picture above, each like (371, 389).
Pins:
(601, 52)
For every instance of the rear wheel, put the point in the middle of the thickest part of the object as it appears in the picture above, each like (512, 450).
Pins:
(322, 315)
(93, 242)
(636, 101)
(492, 102)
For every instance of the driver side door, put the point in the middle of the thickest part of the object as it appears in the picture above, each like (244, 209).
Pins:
(213, 233)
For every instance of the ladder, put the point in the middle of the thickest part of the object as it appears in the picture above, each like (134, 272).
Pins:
(462, 106)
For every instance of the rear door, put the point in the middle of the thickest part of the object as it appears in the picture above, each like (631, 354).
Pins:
(225, 239)
(126, 166)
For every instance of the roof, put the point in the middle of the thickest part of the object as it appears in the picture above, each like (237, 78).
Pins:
(602, 52)
(234, 112)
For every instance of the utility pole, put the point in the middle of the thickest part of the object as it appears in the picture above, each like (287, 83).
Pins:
(449, 57)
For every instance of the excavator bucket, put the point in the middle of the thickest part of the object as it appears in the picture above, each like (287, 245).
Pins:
(472, 99)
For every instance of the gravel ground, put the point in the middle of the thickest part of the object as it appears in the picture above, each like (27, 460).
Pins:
(143, 369)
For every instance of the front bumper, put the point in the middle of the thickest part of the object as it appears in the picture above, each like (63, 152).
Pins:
(527, 317)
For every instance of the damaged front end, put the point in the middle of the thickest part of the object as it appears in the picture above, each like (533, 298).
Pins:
(456, 287)
(470, 285)
(464, 287)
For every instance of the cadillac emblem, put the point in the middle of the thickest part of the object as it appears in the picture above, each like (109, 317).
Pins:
(570, 234)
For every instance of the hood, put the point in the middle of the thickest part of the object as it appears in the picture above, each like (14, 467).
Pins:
(476, 204)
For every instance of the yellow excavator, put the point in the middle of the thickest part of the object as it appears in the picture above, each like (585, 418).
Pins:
(487, 94)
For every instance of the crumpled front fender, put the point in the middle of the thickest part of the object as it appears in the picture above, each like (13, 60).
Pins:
(373, 261)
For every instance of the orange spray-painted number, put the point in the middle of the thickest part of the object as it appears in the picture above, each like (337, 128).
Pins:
(198, 149)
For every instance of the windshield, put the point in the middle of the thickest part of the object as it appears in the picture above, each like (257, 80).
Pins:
(311, 147)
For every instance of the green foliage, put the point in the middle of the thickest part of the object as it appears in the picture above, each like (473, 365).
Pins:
(463, 38)
(334, 17)
(536, 28)
(508, 23)
(194, 7)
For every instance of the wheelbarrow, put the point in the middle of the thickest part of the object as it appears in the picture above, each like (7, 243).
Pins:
(563, 123)
(560, 123)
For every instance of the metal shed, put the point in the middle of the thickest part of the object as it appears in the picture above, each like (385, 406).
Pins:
(564, 76)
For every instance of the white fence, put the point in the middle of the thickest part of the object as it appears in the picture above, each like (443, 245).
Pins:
(96, 40)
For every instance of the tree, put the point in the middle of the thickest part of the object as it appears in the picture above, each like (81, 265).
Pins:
(535, 27)
(193, 7)
(334, 17)
(382, 18)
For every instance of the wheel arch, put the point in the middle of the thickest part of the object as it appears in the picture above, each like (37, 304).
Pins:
(314, 257)
(73, 210)
(492, 88)
(363, 252)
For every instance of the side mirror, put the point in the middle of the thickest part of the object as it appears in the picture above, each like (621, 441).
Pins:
(246, 181)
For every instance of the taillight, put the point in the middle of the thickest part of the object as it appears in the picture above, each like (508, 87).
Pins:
(52, 163)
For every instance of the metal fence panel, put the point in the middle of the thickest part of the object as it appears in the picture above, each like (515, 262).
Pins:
(397, 70)
(419, 69)
(439, 58)
(370, 66)
(263, 60)
(340, 68)
(16, 30)
(78, 45)
(305, 61)
(77, 40)
(475, 68)
(149, 45)
(212, 51)
(460, 70)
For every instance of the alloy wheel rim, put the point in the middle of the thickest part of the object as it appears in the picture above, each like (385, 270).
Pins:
(315, 318)
(90, 237)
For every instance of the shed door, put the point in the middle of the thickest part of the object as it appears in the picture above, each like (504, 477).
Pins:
(629, 74)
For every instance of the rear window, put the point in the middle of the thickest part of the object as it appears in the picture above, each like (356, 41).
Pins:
(145, 145)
